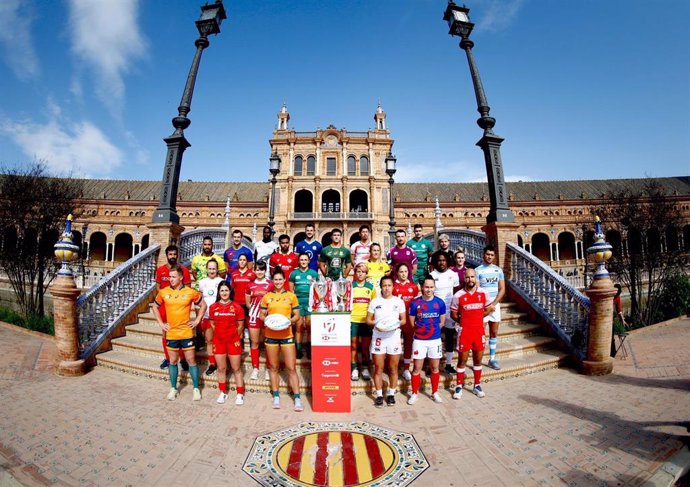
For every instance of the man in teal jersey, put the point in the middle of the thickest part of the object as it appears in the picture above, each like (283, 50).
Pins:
(335, 258)
(423, 248)
(300, 284)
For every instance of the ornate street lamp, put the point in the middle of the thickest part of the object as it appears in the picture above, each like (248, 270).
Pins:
(459, 25)
(209, 23)
(274, 168)
(390, 170)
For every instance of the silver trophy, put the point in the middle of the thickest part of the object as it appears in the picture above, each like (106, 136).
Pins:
(320, 289)
(340, 291)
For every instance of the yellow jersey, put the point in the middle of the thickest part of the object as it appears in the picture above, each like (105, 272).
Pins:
(376, 271)
(283, 303)
(362, 294)
(178, 306)
(199, 265)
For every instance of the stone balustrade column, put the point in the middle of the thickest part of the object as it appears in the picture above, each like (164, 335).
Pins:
(599, 361)
(65, 292)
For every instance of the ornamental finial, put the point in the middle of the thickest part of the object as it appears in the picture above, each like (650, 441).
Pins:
(65, 250)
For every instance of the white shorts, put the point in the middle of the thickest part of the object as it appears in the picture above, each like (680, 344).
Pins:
(388, 342)
(495, 316)
(422, 349)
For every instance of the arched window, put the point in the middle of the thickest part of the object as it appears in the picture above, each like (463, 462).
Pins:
(351, 166)
(299, 237)
(145, 242)
(653, 241)
(123, 247)
(359, 201)
(330, 166)
(298, 165)
(354, 238)
(326, 239)
(540, 246)
(672, 239)
(566, 246)
(330, 201)
(311, 166)
(304, 201)
(97, 246)
(614, 238)
(364, 166)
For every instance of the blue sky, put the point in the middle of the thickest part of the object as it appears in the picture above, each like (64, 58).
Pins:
(580, 90)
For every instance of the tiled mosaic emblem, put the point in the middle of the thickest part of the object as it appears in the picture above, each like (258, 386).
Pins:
(330, 454)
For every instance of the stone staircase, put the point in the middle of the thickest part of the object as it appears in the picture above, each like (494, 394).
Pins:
(523, 348)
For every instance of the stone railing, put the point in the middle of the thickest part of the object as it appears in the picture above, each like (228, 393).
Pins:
(471, 241)
(190, 243)
(558, 303)
(103, 308)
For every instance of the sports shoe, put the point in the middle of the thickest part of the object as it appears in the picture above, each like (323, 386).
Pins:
(164, 364)
(365, 374)
(172, 395)
(458, 393)
(185, 365)
(406, 375)
(222, 398)
(211, 370)
(354, 375)
(378, 402)
(268, 375)
(449, 369)
(493, 363)
(413, 399)
(255, 375)
(239, 400)
(298, 405)
(436, 397)
(390, 400)
(477, 391)
(276, 402)
(196, 394)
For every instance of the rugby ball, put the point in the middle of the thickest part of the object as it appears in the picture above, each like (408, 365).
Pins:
(387, 324)
(277, 322)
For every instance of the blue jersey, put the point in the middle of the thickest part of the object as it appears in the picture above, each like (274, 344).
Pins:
(427, 325)
(232, 254)
(488, 277)
(312, 249)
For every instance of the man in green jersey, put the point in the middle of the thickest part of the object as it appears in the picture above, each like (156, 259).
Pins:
(423, 248)
(300, 284)
(335, 258)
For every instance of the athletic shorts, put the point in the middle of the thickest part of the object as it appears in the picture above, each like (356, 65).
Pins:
(256, 325)
(280, 341)
(422, 349)
(304, 310)
(471, 339)
(495, 316)
(205, 324)
(360, 330)
(383, 343)
(184, 344)
(227, 346)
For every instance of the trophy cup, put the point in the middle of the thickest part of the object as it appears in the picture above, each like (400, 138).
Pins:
(320, 289)
(340, 291)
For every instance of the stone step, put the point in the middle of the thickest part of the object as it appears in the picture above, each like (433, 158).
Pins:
(147, 366)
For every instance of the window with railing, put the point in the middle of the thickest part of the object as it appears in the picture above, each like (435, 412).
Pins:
(364, 166)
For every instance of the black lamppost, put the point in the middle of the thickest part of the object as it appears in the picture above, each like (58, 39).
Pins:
(274, 168)
(390, 170)
(490, 143)
(209, 23)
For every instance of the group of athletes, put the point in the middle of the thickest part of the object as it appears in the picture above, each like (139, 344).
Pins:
(435, 302)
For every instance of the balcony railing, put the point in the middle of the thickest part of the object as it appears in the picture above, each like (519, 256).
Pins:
(332, 215)
(302, 215)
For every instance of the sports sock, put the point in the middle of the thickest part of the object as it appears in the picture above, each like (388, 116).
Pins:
(353, 366)
(416, 380)
(449, 358)
(223, 387)
(492, 348)
(296, 396)
(255, 357)
(276, 393)
(379, 392)
(461, 376)
(298, 346)
(435, 377)
(212, 360)
(194, 374)
(391, 392)
(240, 390)
(172, 372)
(477, 374)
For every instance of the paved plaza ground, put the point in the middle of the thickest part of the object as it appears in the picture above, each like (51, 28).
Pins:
(551, 428)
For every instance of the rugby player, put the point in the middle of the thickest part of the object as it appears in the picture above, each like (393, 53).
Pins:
(208, 287)
(335, 260)
(423, 248)
(310, 246)
(490, 278)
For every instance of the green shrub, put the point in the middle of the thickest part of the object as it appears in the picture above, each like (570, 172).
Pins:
(674, 297)
(43, 324)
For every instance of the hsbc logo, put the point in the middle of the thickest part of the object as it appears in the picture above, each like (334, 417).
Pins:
(328, 362)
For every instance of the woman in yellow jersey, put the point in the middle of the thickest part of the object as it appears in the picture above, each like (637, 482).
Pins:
(360, 333)
(377, 268)
(283, 302)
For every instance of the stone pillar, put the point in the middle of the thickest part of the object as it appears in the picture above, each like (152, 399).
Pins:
(599, 361)
(498, 234)
(64, 291)
(164, 233)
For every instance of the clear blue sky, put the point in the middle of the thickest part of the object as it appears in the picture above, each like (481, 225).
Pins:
(588, 89)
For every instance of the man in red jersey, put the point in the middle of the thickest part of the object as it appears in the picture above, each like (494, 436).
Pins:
(469, 307)
(283, 258)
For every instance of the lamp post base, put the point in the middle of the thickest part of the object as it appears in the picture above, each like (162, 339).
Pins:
(164, 234)
(71, 368)
(598, 367)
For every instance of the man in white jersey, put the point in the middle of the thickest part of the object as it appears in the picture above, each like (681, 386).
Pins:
(447, 284)
(360, 250)
(490, 278)
(264, 248)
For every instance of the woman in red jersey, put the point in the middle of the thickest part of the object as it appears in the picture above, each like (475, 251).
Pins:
(406, 290)
(240, 279)
(227, 322)
(255, 291)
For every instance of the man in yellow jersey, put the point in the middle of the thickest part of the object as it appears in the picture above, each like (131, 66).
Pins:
(199, 261)
(178, 300)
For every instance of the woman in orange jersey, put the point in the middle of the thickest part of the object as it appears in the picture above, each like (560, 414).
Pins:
(227, 323)
(282, 302)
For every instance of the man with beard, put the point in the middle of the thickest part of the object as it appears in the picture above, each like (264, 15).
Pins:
(310, 246)
(199, 261)
(237, 248)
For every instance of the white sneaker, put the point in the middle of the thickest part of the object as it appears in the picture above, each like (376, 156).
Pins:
(354, 375)
(222, 398)
(172, 395)
(268, 375)
(413, 399)
(255, 375)
(365, 374)
(298, 405)
(458, 393)
(406, 375)
(196, 394)
(436, 397)
(276, 402)
(477, 391)
(239, 400)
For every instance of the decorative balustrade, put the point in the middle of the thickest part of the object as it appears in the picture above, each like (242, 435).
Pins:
(102, 308)
(190, 243)
(303, 215)
(559, 303)
(472, 242)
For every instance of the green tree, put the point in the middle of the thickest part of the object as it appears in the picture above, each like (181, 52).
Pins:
(33, 209)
